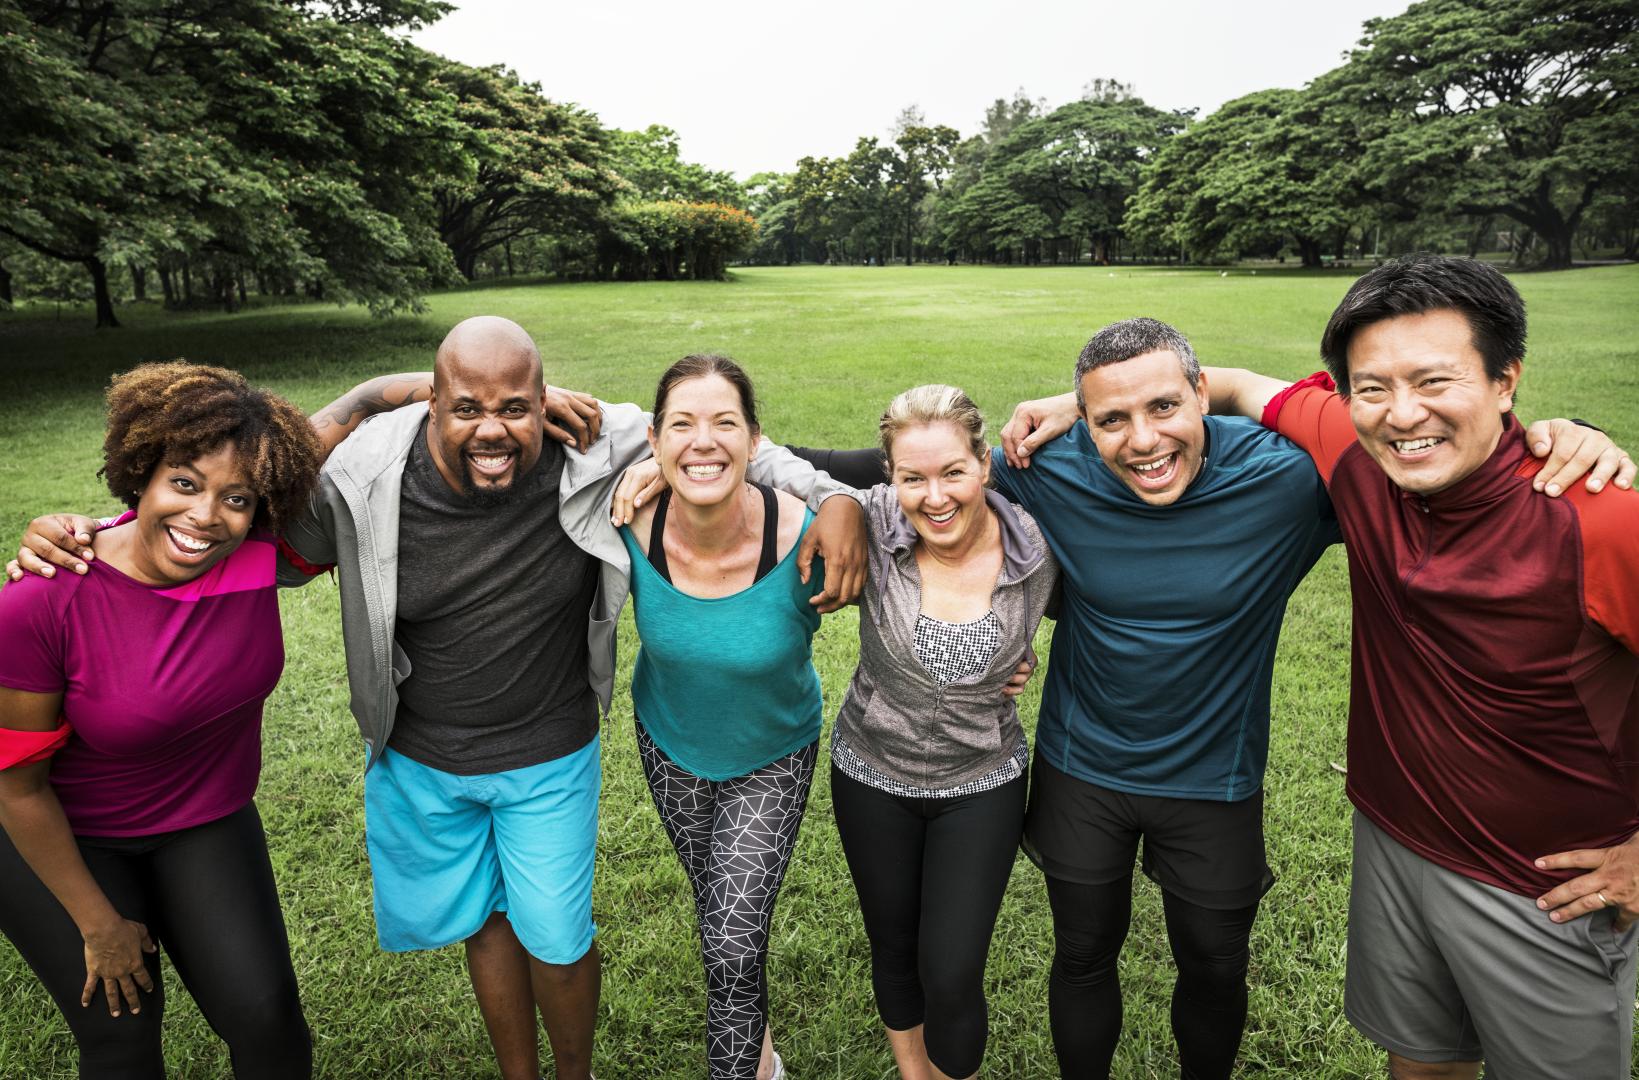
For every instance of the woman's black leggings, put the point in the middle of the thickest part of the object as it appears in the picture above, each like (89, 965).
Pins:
(930, 874)
(1210, 948)
(207, 898)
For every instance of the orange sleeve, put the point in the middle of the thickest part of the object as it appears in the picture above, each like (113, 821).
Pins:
(1610, 559)
(1312, 414)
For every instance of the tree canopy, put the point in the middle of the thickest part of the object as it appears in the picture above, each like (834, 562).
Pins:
(305, 147)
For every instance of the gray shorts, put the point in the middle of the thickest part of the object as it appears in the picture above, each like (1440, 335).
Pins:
(1445, 968)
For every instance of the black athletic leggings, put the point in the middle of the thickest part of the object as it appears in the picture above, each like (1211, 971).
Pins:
(206, 896)
(1210, 948)
(930, 874)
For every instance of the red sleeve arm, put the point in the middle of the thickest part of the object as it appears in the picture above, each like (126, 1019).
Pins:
(18, 748)
(1312, 414)
(1610, 560)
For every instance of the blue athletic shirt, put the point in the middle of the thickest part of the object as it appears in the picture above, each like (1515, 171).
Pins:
(727, 685)
(1165, 644)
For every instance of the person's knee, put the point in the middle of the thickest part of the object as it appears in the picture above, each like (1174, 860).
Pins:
(1401, 1068)
(953, 982)
(267, 1021)
(127, 1047)
(562, 976)
(733, 958)
(1212, 976)
(1086, 958)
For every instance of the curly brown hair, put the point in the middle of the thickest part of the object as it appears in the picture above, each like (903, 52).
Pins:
(175, 412)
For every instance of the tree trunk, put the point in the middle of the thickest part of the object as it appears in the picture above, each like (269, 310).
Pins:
(1559, 249)
(5, 287)
(139, 282)
(1309, 250)
(239, 280)
(99, 286)
(1101, 250)
(187, 283)
(167, 286)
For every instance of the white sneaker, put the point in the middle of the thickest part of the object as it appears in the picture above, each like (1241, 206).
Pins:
(779, 1068)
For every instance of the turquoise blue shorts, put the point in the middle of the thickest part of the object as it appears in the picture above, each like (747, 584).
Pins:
(448, 851)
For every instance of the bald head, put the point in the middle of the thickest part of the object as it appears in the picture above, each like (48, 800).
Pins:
(490, 348)
(485, 425)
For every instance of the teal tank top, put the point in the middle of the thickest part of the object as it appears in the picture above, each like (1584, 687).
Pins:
(727, 685)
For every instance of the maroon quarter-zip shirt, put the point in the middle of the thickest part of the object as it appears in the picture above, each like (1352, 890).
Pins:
(1494, 705)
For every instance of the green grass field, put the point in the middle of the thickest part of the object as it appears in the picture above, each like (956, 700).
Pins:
(828, 348)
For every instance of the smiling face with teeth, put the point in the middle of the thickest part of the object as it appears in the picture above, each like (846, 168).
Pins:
(486, 421)
(1145, 419)
(941, 485)
(703, 440)
(190, 517)
(1421, 401)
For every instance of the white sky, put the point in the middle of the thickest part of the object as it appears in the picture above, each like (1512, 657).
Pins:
(754, 86)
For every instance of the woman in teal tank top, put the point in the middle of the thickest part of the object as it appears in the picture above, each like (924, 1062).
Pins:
(726, 696)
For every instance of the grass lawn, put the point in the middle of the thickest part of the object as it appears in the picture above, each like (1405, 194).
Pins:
(828, 348)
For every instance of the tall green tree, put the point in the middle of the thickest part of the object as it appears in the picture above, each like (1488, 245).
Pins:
(1063, 179)
(923, 163)
(1526, 109)
(533, 167)
(254, 135)
(1263, 169)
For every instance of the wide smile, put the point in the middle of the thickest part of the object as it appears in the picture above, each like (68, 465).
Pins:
(188, 548)
(704, 472)
(491, 462)
(1155, 475)
(1412, 450)
(942, 519)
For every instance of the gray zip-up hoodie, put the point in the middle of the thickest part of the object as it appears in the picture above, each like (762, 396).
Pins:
(896, 716)
(352, 523)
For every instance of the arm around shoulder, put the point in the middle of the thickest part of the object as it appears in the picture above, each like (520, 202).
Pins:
(307, 545)
(1609, 521)
(1239, 392)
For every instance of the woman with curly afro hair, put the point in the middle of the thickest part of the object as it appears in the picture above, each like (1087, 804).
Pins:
(130, 728)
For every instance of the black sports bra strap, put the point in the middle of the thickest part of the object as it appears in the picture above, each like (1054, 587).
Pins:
(657, 536)
(770, 557)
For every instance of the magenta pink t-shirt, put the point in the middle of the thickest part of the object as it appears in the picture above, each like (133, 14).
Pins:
(163, 686)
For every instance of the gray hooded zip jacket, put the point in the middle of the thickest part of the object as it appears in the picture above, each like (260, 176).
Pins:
(896, 716)
(352, 523)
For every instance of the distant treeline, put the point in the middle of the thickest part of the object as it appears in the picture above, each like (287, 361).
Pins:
(1456, 126)
(202, 152)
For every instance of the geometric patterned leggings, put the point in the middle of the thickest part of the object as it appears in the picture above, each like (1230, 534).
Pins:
(735, 839)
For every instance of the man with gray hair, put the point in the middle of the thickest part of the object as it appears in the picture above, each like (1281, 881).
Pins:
(1179, 553)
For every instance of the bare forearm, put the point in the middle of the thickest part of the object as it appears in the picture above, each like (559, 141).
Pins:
(336, 421)
(1239, 392)
(35, 822)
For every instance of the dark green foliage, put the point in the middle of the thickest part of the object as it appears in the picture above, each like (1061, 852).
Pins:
(530, 167)
(1522, 108)
(672, 241)
(224, 140)
(1262, 170)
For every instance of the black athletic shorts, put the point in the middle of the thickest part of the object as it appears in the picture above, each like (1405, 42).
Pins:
(1207, 853)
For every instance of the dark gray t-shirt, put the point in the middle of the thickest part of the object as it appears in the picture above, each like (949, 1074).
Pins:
(492, 610)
